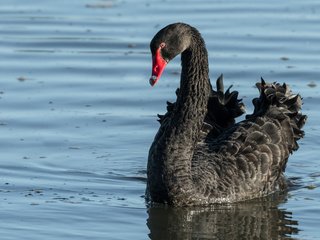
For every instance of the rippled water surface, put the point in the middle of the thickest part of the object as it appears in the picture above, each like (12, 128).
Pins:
(77, 115)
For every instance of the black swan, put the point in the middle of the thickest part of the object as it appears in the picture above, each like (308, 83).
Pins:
(200, 156)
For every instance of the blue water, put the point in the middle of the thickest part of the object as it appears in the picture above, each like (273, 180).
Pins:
(77, 115)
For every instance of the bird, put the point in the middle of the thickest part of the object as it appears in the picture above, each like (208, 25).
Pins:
(200, 154)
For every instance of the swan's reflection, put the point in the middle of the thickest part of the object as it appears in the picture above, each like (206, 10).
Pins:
(259, 219)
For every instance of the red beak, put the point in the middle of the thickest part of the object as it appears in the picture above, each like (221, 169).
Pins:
(158, 65)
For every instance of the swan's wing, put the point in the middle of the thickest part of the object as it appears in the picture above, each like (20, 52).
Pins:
(248, 159)
(277, 102)
(223, 108)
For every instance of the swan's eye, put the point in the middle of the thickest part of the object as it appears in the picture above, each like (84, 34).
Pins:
(163, 52)
(162, 45)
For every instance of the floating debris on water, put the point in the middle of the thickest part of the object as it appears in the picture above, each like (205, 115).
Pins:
(106, 4)
(74, 147)
(284, 58)
(21, 79)
(311, 187)
(132, 45)
(312, 84)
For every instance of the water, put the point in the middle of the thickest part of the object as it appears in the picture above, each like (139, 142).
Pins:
(77, 115)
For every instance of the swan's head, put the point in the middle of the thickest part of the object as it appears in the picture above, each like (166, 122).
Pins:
(166, 44)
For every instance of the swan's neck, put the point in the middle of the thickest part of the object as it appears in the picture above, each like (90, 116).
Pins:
(191, 106)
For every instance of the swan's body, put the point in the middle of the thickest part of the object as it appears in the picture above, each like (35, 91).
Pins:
(199, 155)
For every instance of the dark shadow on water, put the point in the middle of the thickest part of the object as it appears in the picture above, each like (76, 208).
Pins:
(258, 219)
